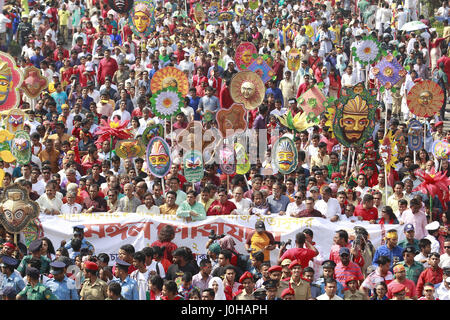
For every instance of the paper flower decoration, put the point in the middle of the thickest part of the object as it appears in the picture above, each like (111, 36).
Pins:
(166, 102)
(434, 184)
(170, 77)
(368, 51)
(388, 71)
(298, 123)
(112, 131)
(312, 101)
(388, 151)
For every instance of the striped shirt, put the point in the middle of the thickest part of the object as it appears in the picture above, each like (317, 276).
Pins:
(345, 273)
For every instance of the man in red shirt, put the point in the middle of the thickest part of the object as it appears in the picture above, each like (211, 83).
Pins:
(366, 210)
(346, 269)
(400, 277)
(222, 206)
(106, 67)
(433, 273)
(446, 61)
(299, 253)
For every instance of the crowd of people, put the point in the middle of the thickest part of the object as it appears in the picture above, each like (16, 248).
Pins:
(98, 70)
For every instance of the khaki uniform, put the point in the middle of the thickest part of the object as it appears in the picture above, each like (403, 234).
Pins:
(348, 295)
(94, 291)
(302, 288)
(244, 296)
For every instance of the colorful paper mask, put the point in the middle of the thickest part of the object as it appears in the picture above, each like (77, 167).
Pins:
(150, 132)
(260, 67)
(34, 83)
(15, 120)
(312, 101)
(193, 166)
(127, 149)
(213, 12)
(242, 161)
(21, 147)
(239, 9)
(170, 77)
(227, 160)
(425, 98)
(284, 155)
(244, 55)
(16, 208)
(5, 150)
(415, 135)
(142, 18)
(121, 6)
(11, 79)
(354, 119)
(293, 59)
(440, 149)
(247, 87)
(388, 71)
(158, 157)
(388, 151)
(231, 119)
(166, 102)
(199, 13)
(253, 4)
(227, 16)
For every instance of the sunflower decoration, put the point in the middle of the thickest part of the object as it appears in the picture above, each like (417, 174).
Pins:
(388, 151)
(368, 51)
(166, 102)
(388, 71)
(170, 77)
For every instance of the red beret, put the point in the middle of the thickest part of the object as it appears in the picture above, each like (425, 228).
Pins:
(439, 123)
(287, 291)
(335, 175)
(275, 268)
(397, 287)
(295, 263)
(9, 245)
(89, 265)
(246, 275)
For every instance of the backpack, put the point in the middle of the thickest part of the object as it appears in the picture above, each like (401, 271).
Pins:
(436, 77)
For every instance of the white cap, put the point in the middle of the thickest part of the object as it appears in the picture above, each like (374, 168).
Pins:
(432, 226)
(400, 7)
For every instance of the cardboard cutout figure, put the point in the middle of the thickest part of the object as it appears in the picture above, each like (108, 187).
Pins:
(415, 135)
(231, 119)
(15, 120)
(34, 83)
(293, 59)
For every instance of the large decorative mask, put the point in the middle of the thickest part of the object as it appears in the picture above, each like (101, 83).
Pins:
(15, 120)
(231, 119)
(199, 13)
(415, 135)
(158, 157)
(440, 150)
(213, 12)
(16, 208)
(142, 18)
(11, 79)
(293, 59)
(425, 98)
(34, 83)
(247, 87)
(244, 55)
(21, 147)
(284, 155)
(127, 149)
(193, 166)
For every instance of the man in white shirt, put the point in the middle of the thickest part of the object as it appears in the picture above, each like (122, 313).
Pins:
(242, 204)
(330, 290)
(443, 289)
(186, 65)
(402, 16)
(49, 202)
(141, 275)
(348, 78)
(71, 207)
(294, 208)
(433, 234)
(153, 267)
(328, 206)
(445, 258)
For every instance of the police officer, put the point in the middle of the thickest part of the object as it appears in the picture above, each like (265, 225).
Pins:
(63, 287)
(93, 287)
(129, 286)
(35, 290)
(9, 277)
(328, 272)
(35, 249)
(78, 232)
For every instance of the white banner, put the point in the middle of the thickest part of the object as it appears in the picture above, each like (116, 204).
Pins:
(108, 231)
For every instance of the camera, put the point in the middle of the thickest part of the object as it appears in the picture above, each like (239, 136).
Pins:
(214, 236)
(282, 243)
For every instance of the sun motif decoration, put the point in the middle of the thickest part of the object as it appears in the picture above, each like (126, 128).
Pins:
(247, 87)
(388, 71)
(170, 77)
(425, 98)
(368, 51)
(166, 102)
(388, 151)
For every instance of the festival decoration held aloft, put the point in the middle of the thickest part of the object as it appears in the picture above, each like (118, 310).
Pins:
(367, 51)
(354, 119)
(260, 67)
(199, 13)
(16, 208)
(158, 157)
(242, 160)
(213, 12)
(150, 132)
(227, 16)
(232, 119)
(401, 140)
(15, 120)
(112, 131)
(425, 98)
(227, 160)
(284, 155)
(170, 77)
(247, 87)
(5, 150)
(239, 9)
(21, 147)
(253, 4)
(11, 79)
(244, 55)
(440, 150)
(293, 62)
(142, 18)
(415, 135)
(131, 148)
(121, 6)
(388, 151)
(33, 82)
(312, 101)
(167, 102)
(434, 184)
(208, 116)
(388, 71)
(193, 166)
(300, 122)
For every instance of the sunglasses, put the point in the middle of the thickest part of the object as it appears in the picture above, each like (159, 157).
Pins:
(447, 247)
